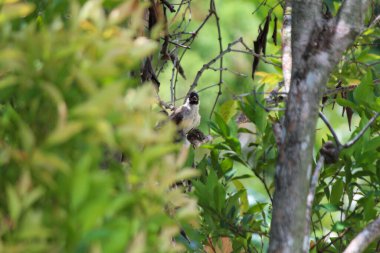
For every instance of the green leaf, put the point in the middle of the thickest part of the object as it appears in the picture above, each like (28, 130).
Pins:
(222, 125)
(254, 110)
(339, 226)
(245, 130)
(330, 208)
(257, 208)
(219, 197)
(228, 110)
(33, 196)
(80, 184)
(364, 93)
(372, 144)
(336, 192)
(14, 203)
(65, 133)
(369, 208)
(245, 176)
(346, 103)
(226, 165)
(243, 197)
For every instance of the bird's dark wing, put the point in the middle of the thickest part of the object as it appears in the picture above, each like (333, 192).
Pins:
(177, 117)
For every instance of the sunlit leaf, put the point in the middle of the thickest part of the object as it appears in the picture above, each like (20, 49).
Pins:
(16, 10)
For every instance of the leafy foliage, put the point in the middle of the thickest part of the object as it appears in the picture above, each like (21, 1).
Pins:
(85, 169)
(68, 99)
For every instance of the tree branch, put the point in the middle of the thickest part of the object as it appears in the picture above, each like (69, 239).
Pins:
(360, 134)
(213, 10)
(364, 238)
(287, 45)
(222, 53)
(207, 65)
(311, 195)
(348, 24)
(317, 46)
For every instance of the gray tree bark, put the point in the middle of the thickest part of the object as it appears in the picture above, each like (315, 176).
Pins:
(364, 238)
(317, 45)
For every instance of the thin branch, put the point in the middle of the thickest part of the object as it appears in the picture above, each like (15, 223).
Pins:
(172, 81)
(227, 69)
(177, 44)
(258, 7)
(222, 53)
(364, 238)
(262, 57)
(169, 5)
(286, 32)
(324, 249)
(375, 22)
(211, 244)
(349, 23)
(207, 65)
(325, 120)
(311, 194)
(213, 10)
(361, 133)
(265, 185)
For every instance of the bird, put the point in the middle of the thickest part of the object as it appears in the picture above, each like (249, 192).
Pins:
(187, 117)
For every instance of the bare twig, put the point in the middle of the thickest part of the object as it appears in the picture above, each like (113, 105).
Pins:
(325, 120)
(207, 65)
(177, 44)
(265, 185)
(169, 5)
(172, 82)
(211, 244)
(222, 53)
(213, 10)
(229, 70)
(340, 235)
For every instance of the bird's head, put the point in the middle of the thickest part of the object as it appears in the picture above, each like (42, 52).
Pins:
(194, 98)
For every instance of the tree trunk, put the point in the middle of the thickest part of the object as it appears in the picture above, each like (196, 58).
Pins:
(317, 45)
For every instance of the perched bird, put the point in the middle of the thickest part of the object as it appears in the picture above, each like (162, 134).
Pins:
(187, 117)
